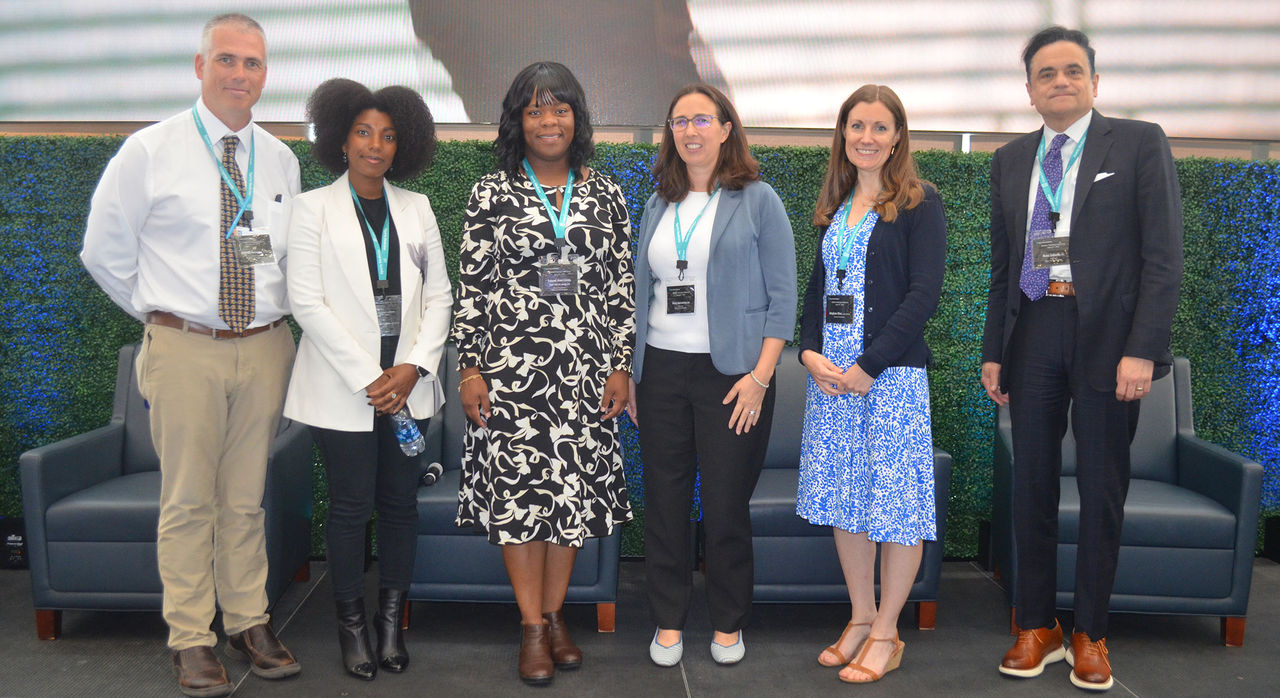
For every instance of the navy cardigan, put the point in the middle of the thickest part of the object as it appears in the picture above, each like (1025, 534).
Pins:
(905, 263)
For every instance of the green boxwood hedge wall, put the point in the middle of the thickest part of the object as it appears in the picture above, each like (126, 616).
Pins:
(59, 333)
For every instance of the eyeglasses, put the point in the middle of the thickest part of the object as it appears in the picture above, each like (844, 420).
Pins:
(681, 123)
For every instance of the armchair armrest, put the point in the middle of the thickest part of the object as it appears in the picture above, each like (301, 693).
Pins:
(1229, 479)
(56, 470)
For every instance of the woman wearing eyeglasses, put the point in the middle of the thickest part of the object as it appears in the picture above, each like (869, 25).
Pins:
(716, 302)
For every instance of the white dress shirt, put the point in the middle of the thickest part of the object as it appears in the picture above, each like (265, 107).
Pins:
(686, 332)
(1060, 272)
(152, 239)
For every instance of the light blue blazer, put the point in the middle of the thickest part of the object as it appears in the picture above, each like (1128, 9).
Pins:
(751, 277)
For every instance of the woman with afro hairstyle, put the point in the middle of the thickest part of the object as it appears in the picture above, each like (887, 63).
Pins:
(544, 333)
(369, 287)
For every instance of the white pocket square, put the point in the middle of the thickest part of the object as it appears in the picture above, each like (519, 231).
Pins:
(1102, 175)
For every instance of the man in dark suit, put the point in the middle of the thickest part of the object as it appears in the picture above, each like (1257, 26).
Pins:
(1086, 261)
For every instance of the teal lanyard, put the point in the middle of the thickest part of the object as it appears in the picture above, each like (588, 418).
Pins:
(245, 202)
(847, 235)
(683, 237)
(561, 223)
(1054, 196)
(381, 252)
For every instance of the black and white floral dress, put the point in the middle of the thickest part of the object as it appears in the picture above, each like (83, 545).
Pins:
(547, 467)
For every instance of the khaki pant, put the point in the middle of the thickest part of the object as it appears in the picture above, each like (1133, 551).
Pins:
(215, 406)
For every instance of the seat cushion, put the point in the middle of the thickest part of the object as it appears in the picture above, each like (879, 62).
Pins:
(438, 506)
(122, 509)
(773, 507)
(1157, 514)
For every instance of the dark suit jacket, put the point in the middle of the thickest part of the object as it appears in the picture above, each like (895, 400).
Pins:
(906, 260)
(1126, 246)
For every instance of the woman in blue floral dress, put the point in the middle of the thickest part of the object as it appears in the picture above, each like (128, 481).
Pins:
(866, 463)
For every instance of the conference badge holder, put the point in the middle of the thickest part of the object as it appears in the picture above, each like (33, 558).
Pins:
(680, 298)
(1049, 251)
(558, 274)
(252, 247)
(387, 307)
(839, 309)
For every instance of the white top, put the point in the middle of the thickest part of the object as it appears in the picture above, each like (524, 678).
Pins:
(685, 332)
(1060, 272)
(152, 242)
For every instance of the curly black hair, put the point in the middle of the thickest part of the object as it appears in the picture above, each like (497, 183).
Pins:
(336, 103)
(542, 78)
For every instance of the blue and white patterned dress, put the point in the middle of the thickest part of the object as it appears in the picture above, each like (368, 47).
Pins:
(866, 463)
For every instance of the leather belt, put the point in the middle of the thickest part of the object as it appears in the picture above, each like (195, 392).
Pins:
(1061, 289)
(167, 319)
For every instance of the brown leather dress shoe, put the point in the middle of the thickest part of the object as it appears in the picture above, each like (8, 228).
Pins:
(200, 673)
(1033, 650)
(1090, 667)
(536, 667)
(564, 653)
(267, 656)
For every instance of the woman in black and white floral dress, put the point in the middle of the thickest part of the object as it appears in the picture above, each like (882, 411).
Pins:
(544, 329)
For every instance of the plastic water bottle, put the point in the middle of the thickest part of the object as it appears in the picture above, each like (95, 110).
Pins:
(407, 432)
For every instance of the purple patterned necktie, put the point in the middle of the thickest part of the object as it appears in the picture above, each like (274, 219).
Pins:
(1035, 282)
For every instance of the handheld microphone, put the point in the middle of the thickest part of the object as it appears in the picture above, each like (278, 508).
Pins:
(431, 475)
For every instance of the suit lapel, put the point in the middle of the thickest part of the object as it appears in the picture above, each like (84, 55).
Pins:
(1096, 145)
(412, 247)
(651, 228)
(1024, 162)
(346, 232)
(730, 199)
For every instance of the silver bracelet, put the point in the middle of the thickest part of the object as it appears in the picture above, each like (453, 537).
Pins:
(752, 373)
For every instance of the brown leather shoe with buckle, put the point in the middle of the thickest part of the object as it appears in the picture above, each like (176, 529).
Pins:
(564, 653)
(267, 656)
(200, 673)
(1033, 650)
(1090, 666)
(536, 667)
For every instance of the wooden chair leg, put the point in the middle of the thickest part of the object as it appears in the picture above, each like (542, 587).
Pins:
(1013, 620)
(48, 624)
(605, 617)
(926, 614)
(304, 573)
(405, 613)
(1233, 631)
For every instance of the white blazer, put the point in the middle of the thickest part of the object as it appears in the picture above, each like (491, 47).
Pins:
(332, 301)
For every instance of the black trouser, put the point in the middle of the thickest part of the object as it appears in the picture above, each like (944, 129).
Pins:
(367, 469)
(683, 432)
(1045, 378)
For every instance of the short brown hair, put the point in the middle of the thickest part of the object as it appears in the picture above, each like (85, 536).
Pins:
(734, 167)
(902, 187)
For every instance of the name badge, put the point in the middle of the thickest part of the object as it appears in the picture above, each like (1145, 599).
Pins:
(252, 247)
(839, 309)
(556, 277)
(1049, 251)
(388, 309)
(680, 299)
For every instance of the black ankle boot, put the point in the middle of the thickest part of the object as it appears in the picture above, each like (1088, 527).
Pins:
(391, 650)
(353, 638)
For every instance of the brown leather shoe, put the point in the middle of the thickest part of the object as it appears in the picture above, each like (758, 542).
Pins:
(200, 673)
(268, 657)
(1033, 649)
(564, 653)
(1091, 669)
(536, 667)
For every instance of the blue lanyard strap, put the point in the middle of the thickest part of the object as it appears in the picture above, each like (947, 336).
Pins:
(381, 252)
(561, 223)
(847, 235)
(1054, 196)
(246, 202)
(683, 237)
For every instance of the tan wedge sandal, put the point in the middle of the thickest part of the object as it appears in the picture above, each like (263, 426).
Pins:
(895, 659)
(835, 649)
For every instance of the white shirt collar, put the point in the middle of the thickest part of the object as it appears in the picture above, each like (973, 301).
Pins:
(218, 130)
(1075, 131)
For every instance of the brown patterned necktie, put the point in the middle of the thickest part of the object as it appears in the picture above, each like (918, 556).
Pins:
(235, 280)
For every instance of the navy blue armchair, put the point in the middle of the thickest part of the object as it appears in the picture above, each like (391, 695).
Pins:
(92, 504)
(795, 561)
(1190, 520)
(457, 564)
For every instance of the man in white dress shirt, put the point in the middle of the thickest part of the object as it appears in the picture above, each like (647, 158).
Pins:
(186, 233)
